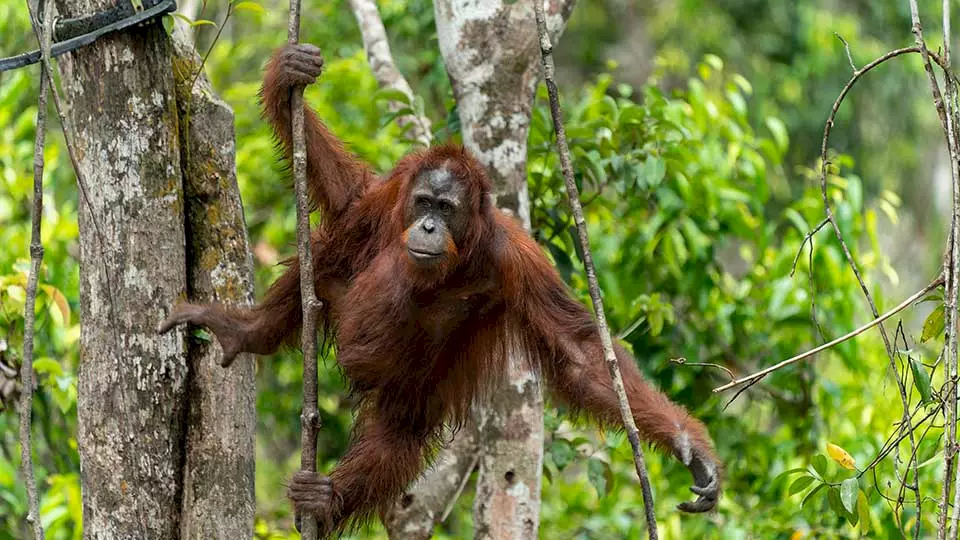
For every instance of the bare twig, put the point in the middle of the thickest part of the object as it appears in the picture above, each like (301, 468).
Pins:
(764, 372)
(846, 47)
(917, 30)
(546, 53)
(807, 238)
(310, 416)
(216, 38)
(385, 69)
(683, 362)
(36, 258)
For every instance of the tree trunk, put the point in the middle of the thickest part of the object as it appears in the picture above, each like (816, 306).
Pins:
(430, 499)
(132, 381)
(152, 464)
(218, 470)
(492, 56)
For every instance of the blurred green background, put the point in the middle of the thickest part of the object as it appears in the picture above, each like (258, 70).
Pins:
(696, 130)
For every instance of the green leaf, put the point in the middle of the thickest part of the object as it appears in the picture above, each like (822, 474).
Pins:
(17, 293)
(713, 61)
(789, 472)
(47, 366)
(562, 453)
(202, 22)
(819, 463)
(833, 497)
(575, 239)
(921, 379)
(167, 22)
(743, 83)
(813, 492)
(797, 220)
(848, 494)
(800, 484)
(419, 106)
(733, 195)
(453, 120)
(656, 323)
(864, 512)
(933, 326)
(392, 94)
(631, 115)
(680, 245)
(562, 261)
(595, 169)
(403, 111)
(855, 193)
(600, 475)
(249, 6)
(779, 132)
(698, 241)
(654, 169)
(64, 393)
(201, 335)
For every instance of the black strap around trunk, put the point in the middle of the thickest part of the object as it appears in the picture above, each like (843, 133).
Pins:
(71, 34)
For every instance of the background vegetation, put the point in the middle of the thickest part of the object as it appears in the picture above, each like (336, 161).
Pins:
(696, 129)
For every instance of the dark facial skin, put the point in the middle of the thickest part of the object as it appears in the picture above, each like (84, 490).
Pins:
(436, 215)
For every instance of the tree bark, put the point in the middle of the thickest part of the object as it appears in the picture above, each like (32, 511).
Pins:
(218, 469)
(132, 381)
(492, 57)
(429, 500)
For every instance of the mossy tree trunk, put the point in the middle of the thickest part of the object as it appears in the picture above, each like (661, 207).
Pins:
(165, 434)
(218, 498)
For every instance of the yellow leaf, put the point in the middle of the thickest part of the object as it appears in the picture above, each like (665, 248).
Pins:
(60, 300)
(18, 293)
(797, 534)
(841, 456)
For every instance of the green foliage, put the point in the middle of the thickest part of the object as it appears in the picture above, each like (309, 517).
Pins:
(694, 264)
(700, 188)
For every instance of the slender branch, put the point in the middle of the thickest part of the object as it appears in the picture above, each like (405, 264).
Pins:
(764, 372)
(807, 238)
(69, 134)
(546, 53)
(901, 387)
(683, 362)
(917, 30)
(385, 69)
(216, 38)
(846, 47)
(950, 298)
(36, 258)
(310, 416)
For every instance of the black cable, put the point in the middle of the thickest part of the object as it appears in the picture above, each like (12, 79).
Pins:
(71, 34)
